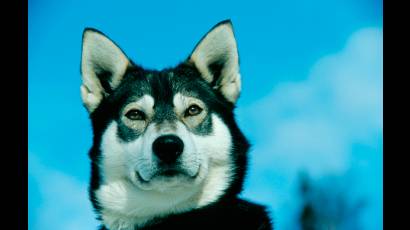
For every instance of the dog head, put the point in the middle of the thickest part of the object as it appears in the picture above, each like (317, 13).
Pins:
(164, 141)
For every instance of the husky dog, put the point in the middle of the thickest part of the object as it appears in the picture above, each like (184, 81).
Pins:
(167, 152)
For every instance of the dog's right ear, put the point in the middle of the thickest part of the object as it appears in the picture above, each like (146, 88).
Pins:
(103, 65)
(216, 58)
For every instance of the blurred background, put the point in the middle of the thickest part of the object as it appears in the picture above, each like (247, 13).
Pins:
(311, 103)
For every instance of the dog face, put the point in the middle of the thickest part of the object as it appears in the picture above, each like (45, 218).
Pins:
(163, 131)
(164, 141)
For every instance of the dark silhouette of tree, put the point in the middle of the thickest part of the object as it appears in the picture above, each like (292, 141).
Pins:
(326, 204)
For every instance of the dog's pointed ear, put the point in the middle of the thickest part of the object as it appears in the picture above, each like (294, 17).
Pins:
(216, 58)
(103, 65)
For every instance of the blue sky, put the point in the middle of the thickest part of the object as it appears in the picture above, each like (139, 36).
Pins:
(311, 99)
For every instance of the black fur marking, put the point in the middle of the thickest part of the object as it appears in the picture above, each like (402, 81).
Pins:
(105, 77)
(126, 133)
(205, 127)
(216, 69)
(228, 214)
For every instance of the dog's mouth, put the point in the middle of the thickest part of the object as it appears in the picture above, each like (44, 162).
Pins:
(167, 174)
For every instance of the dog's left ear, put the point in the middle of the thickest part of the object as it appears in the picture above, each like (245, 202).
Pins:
(216, 58)
(103, 65)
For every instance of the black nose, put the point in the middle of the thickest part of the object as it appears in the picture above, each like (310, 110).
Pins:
(168, 148)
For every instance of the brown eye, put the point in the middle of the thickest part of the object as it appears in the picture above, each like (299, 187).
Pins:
(193, 110)
(135, 114)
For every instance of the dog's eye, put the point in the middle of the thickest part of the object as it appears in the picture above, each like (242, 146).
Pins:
(193, 110)
(135, 114)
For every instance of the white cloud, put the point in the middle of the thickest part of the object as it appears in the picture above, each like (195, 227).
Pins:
(64, 200)
(314, 124)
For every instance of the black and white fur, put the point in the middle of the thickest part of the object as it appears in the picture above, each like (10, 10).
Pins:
(190, 180)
